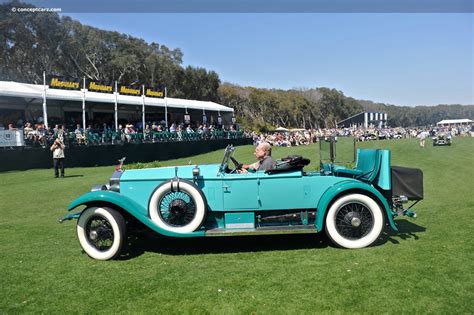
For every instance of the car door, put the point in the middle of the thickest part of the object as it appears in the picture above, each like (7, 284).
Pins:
(290, 190)
(240, 191)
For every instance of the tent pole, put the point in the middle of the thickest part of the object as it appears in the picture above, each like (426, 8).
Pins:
(115, 108)
(45, 111)
(143, 111)
(166, 108)
(84, 104)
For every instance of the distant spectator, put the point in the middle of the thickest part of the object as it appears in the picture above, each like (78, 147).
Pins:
(58, 157)
(179, 133)
(28, 132)
(11, 128)
(422, 136)
(147, 131)
(173, 127)
(79, 134)
(41, 134)
(129, 131)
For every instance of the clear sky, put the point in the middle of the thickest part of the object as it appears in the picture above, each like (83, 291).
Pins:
(402, 59)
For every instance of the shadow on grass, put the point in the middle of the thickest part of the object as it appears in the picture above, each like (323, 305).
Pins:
(406, 230)
(71, 176)
(150, 242)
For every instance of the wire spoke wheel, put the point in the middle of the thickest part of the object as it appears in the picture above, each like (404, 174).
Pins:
(354, 221)
(177, 206)
(177, 209)
(100, 233)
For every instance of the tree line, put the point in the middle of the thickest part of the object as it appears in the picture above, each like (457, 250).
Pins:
(305, 108)
(323, 108)
(31, 43)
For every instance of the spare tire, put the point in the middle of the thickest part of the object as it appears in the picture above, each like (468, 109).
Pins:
(177, 206)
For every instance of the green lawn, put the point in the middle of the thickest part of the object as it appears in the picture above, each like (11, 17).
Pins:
(426, 268)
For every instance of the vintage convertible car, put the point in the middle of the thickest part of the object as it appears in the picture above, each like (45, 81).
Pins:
(351, 204)
(442, 139)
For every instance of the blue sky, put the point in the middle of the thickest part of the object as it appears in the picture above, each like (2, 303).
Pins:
(402, 59)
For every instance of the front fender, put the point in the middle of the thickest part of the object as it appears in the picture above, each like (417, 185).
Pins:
(349, 185)
(127, 204)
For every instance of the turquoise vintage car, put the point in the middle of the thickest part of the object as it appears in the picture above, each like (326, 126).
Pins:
(351, 204)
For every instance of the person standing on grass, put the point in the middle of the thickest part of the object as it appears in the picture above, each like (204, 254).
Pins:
(422, 136)
(58, 157)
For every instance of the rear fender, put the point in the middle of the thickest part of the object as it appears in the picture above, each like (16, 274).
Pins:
(116, 199)
(350, 186)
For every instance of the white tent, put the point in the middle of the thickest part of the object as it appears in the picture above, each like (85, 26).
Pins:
(16, 89)
(281, 129)
(35, 91)
(450, 122)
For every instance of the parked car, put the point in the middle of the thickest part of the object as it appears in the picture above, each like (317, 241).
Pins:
(368, 137)
(352, 205)
(442, 139)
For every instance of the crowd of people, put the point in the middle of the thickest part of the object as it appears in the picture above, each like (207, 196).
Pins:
(307, 136)
(39, 135)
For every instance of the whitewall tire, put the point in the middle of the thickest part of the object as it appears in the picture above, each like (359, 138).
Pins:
(101, 232)
(354, 221)
(177, 206)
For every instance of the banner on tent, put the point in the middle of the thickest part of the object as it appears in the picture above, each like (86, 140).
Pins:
(11, 138)
(105, 87)
(158, 91)
(100, 87)
(130, 90)
(64, 84)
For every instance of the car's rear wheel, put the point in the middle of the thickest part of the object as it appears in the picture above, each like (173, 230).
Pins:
(354, 221)
(101, 232)
(177, 206)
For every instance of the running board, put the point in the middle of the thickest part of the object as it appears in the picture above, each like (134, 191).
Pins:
(267, 230)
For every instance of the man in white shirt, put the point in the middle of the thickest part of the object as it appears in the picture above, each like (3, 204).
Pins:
(58, 157)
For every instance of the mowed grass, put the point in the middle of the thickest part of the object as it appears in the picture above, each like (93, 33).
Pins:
(425, 268)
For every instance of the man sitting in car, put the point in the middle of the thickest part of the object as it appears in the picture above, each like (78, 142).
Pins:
(265, 162)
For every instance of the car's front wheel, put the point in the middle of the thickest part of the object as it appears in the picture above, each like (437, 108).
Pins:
(354, 221)
(177, 206)
(101, 232)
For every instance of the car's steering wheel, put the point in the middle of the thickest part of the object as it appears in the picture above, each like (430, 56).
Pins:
(238, 166)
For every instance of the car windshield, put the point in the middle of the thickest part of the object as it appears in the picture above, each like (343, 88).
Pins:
(339, 150)
(225, 161)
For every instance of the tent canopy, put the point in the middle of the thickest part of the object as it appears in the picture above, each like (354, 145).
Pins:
(454, 121)
(16, 89)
